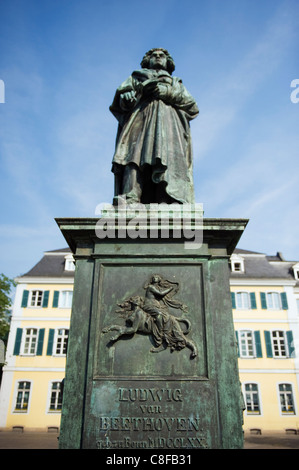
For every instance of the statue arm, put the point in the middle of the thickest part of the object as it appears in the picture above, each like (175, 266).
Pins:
(131, 91)
(182, 99)
(159, 292)
(174, 94)
(125, 98)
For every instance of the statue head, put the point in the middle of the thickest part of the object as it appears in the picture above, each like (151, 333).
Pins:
(156, 279)
(158, 58)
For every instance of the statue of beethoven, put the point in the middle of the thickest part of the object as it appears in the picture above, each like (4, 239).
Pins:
(153, 155)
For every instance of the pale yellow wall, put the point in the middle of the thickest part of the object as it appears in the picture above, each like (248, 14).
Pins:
(38, 415)
(271, 417)
(258, 313)
(40, 370)
(264, 362)
(36, 312)
(266, 372)
(43, 360)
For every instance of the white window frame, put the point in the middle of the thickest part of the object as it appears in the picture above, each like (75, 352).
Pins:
(65, 299)
(56, 338)
(240, 305)
(36, 299)
(253, 413)
(274, 295)
(282, 339)
(286, 413)
(50, 391)
(30, 337)
(246, 356)
(16, 393)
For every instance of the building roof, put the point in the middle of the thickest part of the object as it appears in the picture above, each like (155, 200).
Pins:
(52, 264)
(262, 266)
(257, 266)
(239, 251)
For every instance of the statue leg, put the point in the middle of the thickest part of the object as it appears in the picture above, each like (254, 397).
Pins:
(157, 330)
(131, 183)
(118, 177)
(193, 348)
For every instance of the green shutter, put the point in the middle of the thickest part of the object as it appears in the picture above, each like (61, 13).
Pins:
(284, 301)
(50, 342)
(291, 344)
(258, 345)
(237, 338)
(18, 340)
(55, 299)
(252, 300)
(233, 297)
(25, 298)
(46, 299)
(268, 343)
(40, 342)
(263, 300)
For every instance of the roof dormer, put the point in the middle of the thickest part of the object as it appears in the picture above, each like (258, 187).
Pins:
(237, 263)
(295, 268)
(69, 263)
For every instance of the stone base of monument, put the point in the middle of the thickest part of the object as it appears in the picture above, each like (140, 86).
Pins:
(152, 356)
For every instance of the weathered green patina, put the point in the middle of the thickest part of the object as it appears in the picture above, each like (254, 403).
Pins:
(153, 155)
(118, 392)
(152, 358)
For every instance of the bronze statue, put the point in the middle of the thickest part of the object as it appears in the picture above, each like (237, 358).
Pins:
(151, 316)
(152, 162)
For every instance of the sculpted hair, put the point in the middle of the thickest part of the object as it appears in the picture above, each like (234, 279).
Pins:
(170, 62)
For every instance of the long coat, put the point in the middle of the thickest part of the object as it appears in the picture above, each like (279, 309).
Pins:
(156, 132)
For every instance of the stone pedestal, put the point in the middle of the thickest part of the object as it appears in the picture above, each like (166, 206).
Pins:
(122, 393)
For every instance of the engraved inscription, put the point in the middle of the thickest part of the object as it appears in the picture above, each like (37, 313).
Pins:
(160, 429)
(198, 442)
(143, 394)
(148, 424)
(151, 315)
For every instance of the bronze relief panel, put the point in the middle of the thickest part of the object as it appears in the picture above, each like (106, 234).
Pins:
(151, 322)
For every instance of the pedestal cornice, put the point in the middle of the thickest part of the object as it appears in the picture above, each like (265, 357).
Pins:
(218, 233)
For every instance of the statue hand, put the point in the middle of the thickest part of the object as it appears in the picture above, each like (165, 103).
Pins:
(161, 91)
(148, 86)
(156, 89)
(128, 99)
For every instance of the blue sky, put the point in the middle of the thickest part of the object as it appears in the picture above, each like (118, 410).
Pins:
(61, 61)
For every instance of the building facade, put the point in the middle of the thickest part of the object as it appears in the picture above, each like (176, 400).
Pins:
(264, 291)
(265, 302)
(30, 395)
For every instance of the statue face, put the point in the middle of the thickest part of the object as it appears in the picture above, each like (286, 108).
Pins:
(158, 60)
